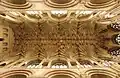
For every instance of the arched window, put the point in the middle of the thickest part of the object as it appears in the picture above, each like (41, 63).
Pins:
(84, 63)
(107, 63)
(59, 64)
(115, 51)
(116, 39)
(114, 26)
(33, 63)
(17, 76)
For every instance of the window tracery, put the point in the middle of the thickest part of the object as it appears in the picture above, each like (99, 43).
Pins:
(115, 26)
(59, 64)
(115, 51)
(116, 39)
(33, 64)
(85, 63)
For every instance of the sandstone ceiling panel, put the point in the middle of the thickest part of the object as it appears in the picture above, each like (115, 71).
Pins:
(48, 38)
(79, 35)
(59, 40)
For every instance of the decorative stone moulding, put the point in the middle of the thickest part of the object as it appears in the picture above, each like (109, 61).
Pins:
(61, 3)
(15, 4)
(71, 74)
(95, 4)
(7, 74)
(84, 15)
(59, 15)
(103, 71)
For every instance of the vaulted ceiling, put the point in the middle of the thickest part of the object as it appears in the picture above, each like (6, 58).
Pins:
(69, 29)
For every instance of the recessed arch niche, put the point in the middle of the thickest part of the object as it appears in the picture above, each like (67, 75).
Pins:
(96, 4)
(100, 76)
(99, 1)
(17, 76)
(16, 4)
(61, 76)
(101, 73)
(16, 1)
(61, 3)
(116, 39)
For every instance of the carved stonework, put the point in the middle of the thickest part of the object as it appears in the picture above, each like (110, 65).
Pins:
(61, 3)
(16, 4)
(59, 39)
